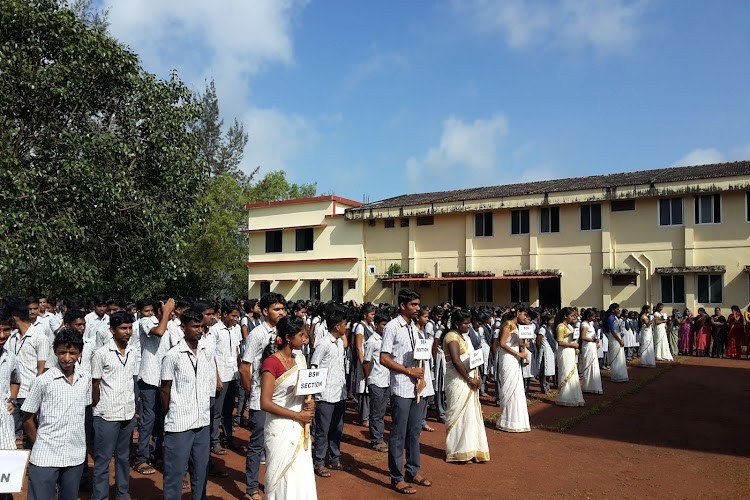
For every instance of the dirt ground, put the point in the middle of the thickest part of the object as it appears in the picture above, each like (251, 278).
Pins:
(677, 431)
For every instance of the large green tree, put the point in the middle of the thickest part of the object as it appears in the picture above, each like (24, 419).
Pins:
(100, 171)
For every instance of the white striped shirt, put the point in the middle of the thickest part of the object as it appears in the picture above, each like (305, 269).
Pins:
(28, 349)
(61, 411)
(116, 391)
(399, 338)
(228, 339)
(93, 323)
(256, 342)
(189, 401)
(330, 355)
(380, 376)
(150, 369)
(8, 373)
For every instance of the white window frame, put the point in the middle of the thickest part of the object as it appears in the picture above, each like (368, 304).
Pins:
(580, 216)
(697, 291)
(696, 199)
(661, 288)
(658, 213)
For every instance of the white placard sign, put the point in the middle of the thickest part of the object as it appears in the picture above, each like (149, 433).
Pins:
(423, 349)
(576, 333)
(13, 469)
(476, 358)
(525, 331)
(311, 382)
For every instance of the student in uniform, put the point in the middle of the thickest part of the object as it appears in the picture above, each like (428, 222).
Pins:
(228, 337)
(30, 346)
(8, 385)
(113, 398)
(273, 308)
(331, 404)
(249, 321)
(58, 400)
(378, 383)
(104, 334)
(428, 393)
(361, 331)
(152, 329)
(97, 317)
(75, 319)
(185, 399)
(397, 355)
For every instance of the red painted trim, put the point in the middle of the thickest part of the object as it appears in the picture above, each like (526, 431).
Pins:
(468, 278)
(353, 278)
(297, 201)
(301, 261)
(335, 216)
(247, 231)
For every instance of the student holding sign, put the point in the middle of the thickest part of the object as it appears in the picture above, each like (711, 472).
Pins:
(512, 352)
(570, 384)
(466, 438)
(289, 468)
(397, 354)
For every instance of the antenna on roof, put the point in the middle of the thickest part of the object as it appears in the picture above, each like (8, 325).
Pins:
(365, 198)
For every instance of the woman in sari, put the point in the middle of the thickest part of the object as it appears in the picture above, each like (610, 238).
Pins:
(735, 334)
(466, 438)
(746, 341)
(702, 327)
(511, 353)
(289, 466)
(567, 348)
(618, 365)
(673, 331)
(589, 359)
(661, 342)
(648, 355)
(685, 346)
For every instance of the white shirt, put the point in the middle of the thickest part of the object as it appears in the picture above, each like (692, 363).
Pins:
(28, 350)
(93, 323)
(61, 411)
(380, 376)
(330, 355)
(116, 391)
(84, 360)
(190, 394)
(256, 342)
(8, 373)
(150, 369)
(399, 338)
(228, 339)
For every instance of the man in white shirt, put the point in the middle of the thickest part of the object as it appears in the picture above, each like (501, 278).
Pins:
(378, 382)
(95, 318)
(228, 336)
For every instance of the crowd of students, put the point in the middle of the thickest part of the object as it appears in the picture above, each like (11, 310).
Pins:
(182, 373)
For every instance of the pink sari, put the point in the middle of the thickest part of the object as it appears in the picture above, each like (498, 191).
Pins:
(734, 338)
(685, 345)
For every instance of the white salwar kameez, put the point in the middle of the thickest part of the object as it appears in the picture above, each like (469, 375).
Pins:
(465, 438)
(289, 467)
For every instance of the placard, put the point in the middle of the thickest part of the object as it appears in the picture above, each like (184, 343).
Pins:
(13, 469)
(311, 381)
(525, 331)
(576, 333)
(476, 358)
(423, 349)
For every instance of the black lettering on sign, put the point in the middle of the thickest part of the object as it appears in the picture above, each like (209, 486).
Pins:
(5, 477)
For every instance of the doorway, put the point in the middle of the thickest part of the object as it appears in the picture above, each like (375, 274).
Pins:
(549, 292)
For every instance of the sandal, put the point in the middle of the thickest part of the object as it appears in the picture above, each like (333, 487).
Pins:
(144, 468)
(185, 484)
(427, 428)
(322, 471)
(404, 489)
(218, 450)
(421, 481)
(255, 495)
(340, 466)
(381, 447)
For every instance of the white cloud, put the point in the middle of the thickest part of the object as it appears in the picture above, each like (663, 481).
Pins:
(474, 146)
(604, 25)
(230, 41)
(378, 63)
(539, 173)
(707, 156)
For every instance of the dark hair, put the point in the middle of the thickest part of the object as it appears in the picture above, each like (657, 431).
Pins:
(564, 312)
(334, 317)
(73, 314)
(645, 308)
(202, 306)
(119, 318)
(99, 300)
(270, 299)
(587, 315)
(365, 309)
(457, 316)
(19, 307)
(249, 305)
(68, 337)
(144, 303)
(288, 326)
(190, 315)
(227, 307)
(406, 295)
(380, 317)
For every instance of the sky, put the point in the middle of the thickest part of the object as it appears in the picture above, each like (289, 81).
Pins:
(373, 99)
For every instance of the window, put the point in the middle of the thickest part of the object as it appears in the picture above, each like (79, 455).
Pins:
(315, 290)
(337, 290)
(670, 212)
(673, 289)
(708, 209)
(389, 223)
(519, 222)
(747, 206)
(550, 220)
(624, 279)
(304, 239)
(404, 222)
(352, 284)
(709, 289)
(622, 205)
(591, 217)
(427, 220)
(519, 291)
(265, 287)
(483, 224)
(371, 222)
(483, 291)
(273, 241)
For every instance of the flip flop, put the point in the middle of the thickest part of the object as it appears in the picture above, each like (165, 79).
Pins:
(421, 481)
(405, 489)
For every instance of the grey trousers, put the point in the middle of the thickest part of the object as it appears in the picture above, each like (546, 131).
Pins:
(223, 409)
(44, 480)
(186, 451)
(112, 439)
(329, 426)
(406, 414)
(151, 423)
(378, 403)
(254, 449)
